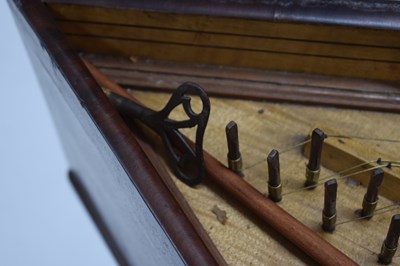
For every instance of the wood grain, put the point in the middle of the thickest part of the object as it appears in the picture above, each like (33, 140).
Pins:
(245, 83)
(244, 240)
(311, 48)
(240, 58)
(229, 41)
(293, 230)
(228, 23)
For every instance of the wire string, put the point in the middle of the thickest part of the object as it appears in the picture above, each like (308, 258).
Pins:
(358, 244)
(335, 174)
(349, 172)
(364, 138)
(280, 152)
(340, 173)
(379, 211)
(356, 173)
(295, 146)
(284, 150)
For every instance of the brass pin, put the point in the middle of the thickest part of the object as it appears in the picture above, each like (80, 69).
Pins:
(274, 177)
(329, 211)
(389, 246)
(313, 167)
(371, 196)
(234, 157)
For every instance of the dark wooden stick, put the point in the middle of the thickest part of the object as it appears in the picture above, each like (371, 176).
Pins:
(166, 177)
(288, 226)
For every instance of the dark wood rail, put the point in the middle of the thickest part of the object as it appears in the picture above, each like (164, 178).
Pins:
(144, 222)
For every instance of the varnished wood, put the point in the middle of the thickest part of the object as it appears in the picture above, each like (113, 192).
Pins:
(260, 15)
(102, 150)
(254, 84)
(258, 43)
(229, 41)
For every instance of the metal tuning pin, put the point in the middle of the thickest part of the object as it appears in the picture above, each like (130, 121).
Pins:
(329, 211)
(389, 246)
(186, 161)
(371, 197)
(314, 162)
(274, 177)
(234, 157)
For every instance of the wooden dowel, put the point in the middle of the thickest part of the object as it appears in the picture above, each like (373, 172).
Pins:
(105, 82)
(288, 226)
(285, 224)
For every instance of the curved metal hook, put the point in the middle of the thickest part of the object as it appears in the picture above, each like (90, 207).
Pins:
(186, 161)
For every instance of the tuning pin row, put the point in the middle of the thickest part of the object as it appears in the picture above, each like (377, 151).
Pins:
(235, 162)
(370, 199)
(369, 204)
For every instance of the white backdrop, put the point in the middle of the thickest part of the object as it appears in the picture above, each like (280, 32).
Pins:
(42, 221)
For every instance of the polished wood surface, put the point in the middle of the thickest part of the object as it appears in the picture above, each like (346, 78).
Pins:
(143, 221)
(258, 42)
(253, 84)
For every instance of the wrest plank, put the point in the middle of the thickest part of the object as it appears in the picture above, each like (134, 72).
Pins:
(263, 126)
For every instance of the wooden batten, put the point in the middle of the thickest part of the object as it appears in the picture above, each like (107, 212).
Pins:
(251, 84)
(341, 153)
(313, 48)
